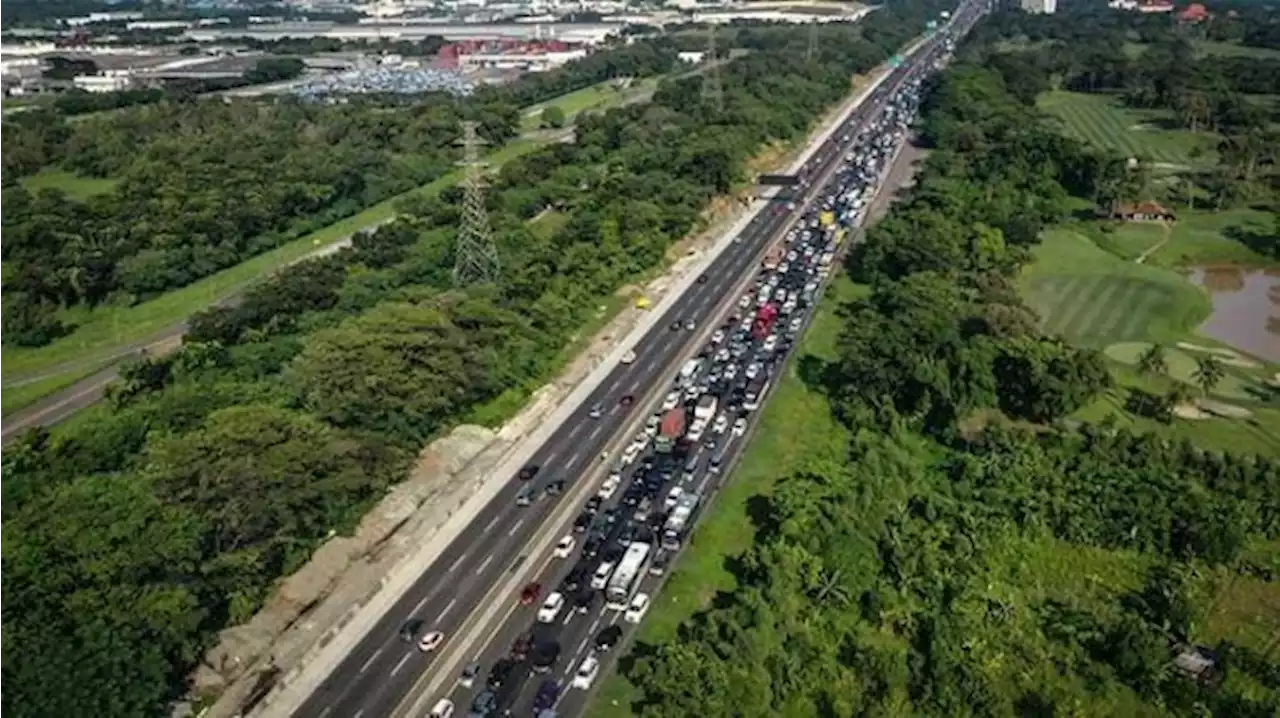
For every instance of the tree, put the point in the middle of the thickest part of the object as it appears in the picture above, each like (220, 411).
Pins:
(1209, 372)
(1152, 361)
(553, 117)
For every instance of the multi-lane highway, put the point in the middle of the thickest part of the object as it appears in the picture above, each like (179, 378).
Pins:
(385, 675)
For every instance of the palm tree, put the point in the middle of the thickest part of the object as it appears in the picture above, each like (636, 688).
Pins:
(829, 588)
(1208, 373)
(1153, 361)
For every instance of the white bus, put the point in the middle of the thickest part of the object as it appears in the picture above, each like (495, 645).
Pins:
(627, 577)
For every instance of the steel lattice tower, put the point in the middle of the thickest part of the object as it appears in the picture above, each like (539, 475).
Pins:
(476, 257)
(812, 50)
(712, 91)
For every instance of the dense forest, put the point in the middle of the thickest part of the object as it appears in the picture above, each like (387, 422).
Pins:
(201, 185)
(135, 533)
(974, 554)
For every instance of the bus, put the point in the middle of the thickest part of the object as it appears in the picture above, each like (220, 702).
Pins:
(627, 576)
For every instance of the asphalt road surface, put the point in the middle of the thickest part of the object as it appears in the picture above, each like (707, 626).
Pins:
(377, 676)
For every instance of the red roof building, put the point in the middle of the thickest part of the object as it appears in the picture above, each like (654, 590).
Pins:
(1195, 12)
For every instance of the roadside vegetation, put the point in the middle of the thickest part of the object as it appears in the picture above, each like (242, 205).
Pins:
(974, 544)
(135, 533)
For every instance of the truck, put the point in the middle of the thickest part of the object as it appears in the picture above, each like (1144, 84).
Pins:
(670, 430)
(765, 317)
(679, 520)
(706, 408)
(773, 256)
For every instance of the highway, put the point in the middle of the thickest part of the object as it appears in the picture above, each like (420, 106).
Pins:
(387, 676)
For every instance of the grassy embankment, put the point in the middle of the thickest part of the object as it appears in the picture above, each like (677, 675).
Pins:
(1104, 121)
(796, 427)
(103, 332)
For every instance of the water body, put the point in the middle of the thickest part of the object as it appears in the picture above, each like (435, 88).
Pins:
(1246, 307)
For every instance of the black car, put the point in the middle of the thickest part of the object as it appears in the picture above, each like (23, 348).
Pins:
(702, 279)
(548, 692)
(544, 656)
(410, 630)
(502, 669)
(555, 488)
(626, 535)
(583, 522)
(675, 326)
(591, 547)
(627, 400)
(608, 637)
(582, 600)
(593, 504)
(610, 517)
(530, 471)
(573, 581)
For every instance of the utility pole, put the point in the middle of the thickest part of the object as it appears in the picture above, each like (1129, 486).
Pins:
(712, 91)
(812, 50)
(476, 257)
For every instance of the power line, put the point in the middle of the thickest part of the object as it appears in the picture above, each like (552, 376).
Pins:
(712, 91)
(476, 257)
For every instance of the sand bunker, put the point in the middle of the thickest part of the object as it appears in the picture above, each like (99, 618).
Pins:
(1226, 356)
(1230, 411)
(1190, 411)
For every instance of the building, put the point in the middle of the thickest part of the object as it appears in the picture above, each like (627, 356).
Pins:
(507, 55)
(1143, 212)
(107, 82)
(1193, 13)
(1044, 7)
(693, 58)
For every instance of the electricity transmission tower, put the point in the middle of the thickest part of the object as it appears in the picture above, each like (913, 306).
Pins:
(477, 256)
(711, 88)
(812, 49)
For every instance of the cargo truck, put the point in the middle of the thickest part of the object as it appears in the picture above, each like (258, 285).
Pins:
(670, 431)
(763, 323)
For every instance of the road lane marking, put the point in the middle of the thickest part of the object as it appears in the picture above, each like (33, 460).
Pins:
(369, 662)
(581, 646)
(512, 531)
(576, 429)
(422, 603)
(326, 710)
(492, 523)
(487, 560)
(574, 459)
(595, 431)
(401, 664)
(457, 561)
(568, 617)
(358, 713)
(446, 609)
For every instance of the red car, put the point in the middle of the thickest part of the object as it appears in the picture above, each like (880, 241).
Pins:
(529, 595)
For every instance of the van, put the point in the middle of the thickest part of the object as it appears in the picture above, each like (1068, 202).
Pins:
(690, 467)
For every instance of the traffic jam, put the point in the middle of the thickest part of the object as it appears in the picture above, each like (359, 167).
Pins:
(624, 540)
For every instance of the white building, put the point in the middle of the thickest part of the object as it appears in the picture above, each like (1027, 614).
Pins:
(106, 82)
(1047, 7)
(533, 62)
(693, 58)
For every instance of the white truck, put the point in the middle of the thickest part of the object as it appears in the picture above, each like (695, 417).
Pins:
(706, 408)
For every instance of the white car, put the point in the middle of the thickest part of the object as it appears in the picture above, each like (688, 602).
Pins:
(745, 301)
(739, 427)
(673, 497)
(639, 606)
(717, 337)
(770, 343)
(551, 608)
(431, 641)
(631, 453)
(695, 430)
(442, 709)
(609, 486)
(722, 423)
(731, 372)
(753, 370)
(564, 548)
(672, 401)
(601, 577)
(586, 674)
(629, 357)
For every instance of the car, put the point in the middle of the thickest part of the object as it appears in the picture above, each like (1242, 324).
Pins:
(564, 548)
(529, 594)
(675, 326)
(527, 495)
(593, 505)
(600, 578)
(442, 709)
(671, 401)
(583, 600)
(753, 370)
(626, 400)
(629, 357)
(740, 427)
(608, 637)
(722, 423)
(597, 410)
(530, 471)
(547, 694)
(555, 488)
(718, 336)
(410, 630)
(586, 673)
(690, 325)
(639, 606)
(468, 676)
(431, 641)
(583, 522)
(485, 704)
(609, 486)
(659, 564)
(610, 516)
(551, 608)
(591, 547)
(745, 301)
(573, 581)
(673, 498)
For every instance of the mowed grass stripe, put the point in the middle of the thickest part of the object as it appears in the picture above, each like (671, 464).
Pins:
(1137, 319)
(1128, 302)
(1074, 303)
(1048, 293)
(1091, 308)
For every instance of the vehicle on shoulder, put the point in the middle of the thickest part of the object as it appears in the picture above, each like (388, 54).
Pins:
(529, 594)
(467, 678)
(528, 472)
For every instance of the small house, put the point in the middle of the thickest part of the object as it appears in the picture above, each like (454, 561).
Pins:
(1143, 212)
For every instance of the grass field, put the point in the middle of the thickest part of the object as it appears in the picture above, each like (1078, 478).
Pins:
(1234, 49)
(796, 427)
(597, 97)
(1094, 298)
(1201, 238)
(76, 187)
(1103, 121)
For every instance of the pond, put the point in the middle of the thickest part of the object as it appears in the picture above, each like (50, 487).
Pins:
(1246, 307)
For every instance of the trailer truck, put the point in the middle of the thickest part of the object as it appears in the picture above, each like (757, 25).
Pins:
(670, 430)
